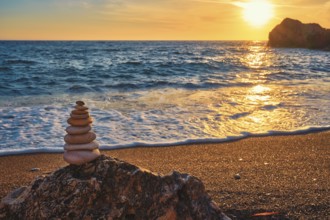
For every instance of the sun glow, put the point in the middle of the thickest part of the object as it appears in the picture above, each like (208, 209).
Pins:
(257, 12)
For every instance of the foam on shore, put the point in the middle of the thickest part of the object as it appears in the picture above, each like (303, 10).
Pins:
(59, 149)
(160, 118)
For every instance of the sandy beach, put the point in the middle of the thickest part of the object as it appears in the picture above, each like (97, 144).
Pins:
(285, 174)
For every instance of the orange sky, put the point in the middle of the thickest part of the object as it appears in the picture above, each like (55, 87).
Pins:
(146, 19)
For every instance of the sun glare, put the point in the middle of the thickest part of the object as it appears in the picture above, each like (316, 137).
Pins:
(257, 12)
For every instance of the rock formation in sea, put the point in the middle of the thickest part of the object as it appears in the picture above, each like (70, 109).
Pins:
(80, 146)
(293, 33)
(108, 188)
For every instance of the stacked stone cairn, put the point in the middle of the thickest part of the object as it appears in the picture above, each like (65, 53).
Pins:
(80, 147)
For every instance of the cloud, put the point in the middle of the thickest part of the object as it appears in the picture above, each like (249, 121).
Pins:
(209, 18)
(299, 3)
(308, 2)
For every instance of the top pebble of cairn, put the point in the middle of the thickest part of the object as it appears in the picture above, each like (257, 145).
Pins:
(80, 146)
(80, 103)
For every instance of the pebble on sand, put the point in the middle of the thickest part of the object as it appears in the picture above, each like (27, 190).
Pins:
(237, 176)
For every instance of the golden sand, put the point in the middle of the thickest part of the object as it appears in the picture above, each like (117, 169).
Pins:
(286, 174)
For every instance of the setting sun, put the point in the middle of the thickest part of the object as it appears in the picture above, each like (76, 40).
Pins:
(257, 12)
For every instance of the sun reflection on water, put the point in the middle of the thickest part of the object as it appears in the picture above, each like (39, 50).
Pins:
(259, 93)
(253, 106)
(256, 108)
(232, 111)
(260, 89)
(257, 60)
(257, 57)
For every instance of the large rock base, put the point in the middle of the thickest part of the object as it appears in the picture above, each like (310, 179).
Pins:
(108, 188)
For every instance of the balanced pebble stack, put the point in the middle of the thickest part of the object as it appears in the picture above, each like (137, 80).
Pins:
(80, 146)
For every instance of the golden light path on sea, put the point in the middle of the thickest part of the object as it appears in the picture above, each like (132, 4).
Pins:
(253, 106)
(228, 111)
(232, 111)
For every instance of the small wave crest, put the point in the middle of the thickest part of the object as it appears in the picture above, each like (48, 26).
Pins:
(104, 146)
(30, 62)
(134, 63)
(79, 89)
(4, 68)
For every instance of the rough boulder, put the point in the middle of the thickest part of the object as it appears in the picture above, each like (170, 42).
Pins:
(108, 188)
(293, 33)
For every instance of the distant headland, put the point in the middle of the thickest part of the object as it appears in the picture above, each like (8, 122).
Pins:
(293, 33)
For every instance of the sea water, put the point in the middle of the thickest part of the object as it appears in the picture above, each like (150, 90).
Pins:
(154, 93)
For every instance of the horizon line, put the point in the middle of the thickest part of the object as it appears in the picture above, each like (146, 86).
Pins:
(123, 40)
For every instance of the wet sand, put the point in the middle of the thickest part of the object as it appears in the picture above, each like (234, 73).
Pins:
(285, 174)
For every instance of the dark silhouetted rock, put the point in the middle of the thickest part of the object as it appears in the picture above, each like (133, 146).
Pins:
(108, 188)
(293, 33)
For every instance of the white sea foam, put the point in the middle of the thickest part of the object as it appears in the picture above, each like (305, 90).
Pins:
(159, 118)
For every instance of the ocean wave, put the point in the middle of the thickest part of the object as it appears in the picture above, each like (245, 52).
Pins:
(215, 140)
(79, 89)
(239, 115)
(134, 63)
(4, 90)
(122, 86)
(161, 84)
(30, 62)
(21, 80)
(72, 79)
(4, 68)
(111, 50)
(183, 64)
(243, 135)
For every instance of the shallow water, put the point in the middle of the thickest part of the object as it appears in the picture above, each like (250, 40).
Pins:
(159, 93)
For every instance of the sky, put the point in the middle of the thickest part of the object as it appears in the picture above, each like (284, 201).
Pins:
(148, 19)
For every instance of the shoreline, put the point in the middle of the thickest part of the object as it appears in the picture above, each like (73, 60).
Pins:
(288, 174)
(188, 142)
